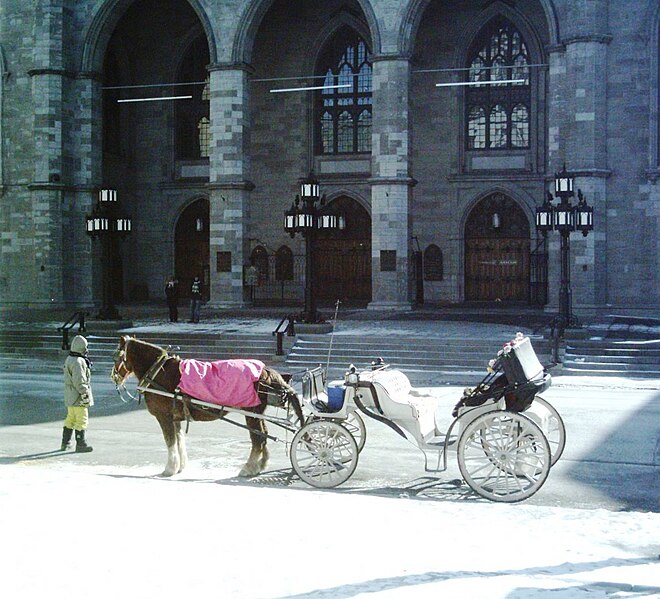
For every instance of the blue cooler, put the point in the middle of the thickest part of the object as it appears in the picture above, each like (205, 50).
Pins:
(336, 392)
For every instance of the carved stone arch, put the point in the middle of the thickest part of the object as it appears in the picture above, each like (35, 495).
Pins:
(356, 197)
(415, 12)
(465, 40)
(103, 23)
(342, 19)
(254, 13)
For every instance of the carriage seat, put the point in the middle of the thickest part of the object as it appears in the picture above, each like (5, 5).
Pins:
(391, 394)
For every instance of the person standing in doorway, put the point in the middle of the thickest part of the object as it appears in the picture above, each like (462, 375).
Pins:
(172, 294)
(78, 396)
(195, 299)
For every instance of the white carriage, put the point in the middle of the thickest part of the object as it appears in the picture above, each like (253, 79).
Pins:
(505, 435)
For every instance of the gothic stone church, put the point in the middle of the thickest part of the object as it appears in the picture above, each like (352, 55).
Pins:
(434, 126)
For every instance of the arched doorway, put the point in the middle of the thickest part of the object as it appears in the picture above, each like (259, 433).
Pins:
(191, 247)
(497, 246)
(342, 259)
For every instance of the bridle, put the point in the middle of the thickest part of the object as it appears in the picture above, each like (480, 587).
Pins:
(121, 372)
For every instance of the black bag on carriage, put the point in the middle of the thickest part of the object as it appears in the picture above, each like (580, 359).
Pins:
(523, 377)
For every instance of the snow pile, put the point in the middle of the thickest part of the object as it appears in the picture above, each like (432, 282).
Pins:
(114, 532)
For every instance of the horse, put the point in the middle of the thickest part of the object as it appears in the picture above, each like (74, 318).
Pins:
(153, 366)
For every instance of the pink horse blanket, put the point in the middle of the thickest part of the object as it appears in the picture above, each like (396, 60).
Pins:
(224, 382)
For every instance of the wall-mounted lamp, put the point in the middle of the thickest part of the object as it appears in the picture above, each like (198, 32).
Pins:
(496, 220)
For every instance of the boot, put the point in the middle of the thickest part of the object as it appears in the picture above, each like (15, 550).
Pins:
(81, 444)
(66, 438)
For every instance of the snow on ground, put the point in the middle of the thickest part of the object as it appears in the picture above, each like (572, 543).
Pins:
(258, 325)
(116, 532)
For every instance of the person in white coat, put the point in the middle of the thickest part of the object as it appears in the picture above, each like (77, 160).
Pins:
(78, 397)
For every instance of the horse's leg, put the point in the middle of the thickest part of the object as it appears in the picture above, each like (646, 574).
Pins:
(253, 466)
(181, 446)
(168, 427)
(265, 455)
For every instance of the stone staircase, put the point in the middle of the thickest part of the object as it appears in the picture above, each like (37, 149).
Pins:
(616, 346)
(426, 361)
(43, 347)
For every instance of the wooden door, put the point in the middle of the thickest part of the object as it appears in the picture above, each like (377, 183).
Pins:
(342, 259)
(497, 269)
(497, 251)
(191, 242)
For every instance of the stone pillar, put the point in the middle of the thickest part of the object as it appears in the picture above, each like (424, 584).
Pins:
(390, 185)
(228, 185)
(82, 274)
(46, 187)
(578, 138)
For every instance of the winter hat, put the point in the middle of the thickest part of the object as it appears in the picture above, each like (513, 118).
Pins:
(79, 345)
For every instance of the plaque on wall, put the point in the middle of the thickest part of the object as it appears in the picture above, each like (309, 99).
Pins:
(387, 260)
(223, 262)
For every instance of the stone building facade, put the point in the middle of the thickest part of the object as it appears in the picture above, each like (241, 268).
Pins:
(439, 184)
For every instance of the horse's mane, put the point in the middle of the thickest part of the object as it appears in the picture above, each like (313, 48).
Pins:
(141, 342)
(153, 352)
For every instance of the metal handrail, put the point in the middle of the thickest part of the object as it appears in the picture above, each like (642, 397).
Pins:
(289, 330)
(76, 318)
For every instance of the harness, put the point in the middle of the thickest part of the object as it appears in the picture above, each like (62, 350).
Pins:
(275, 396)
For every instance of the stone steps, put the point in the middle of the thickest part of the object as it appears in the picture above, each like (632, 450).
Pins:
(619, 346)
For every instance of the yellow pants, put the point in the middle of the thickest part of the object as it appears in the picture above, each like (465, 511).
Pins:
(77, 417)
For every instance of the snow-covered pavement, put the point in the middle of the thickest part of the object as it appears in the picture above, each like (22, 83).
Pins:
(117, 532)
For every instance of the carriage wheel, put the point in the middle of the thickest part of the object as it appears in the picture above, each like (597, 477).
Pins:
(504, 456)
(324, 454)
(556, 433)
(355, 425)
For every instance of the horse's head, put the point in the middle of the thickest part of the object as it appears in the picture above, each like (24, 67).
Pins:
(122, 367)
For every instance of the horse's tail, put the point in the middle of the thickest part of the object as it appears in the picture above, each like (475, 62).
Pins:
(274, 379)
(294, 400)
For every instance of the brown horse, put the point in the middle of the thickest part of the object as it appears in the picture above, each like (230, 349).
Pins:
(154, 367)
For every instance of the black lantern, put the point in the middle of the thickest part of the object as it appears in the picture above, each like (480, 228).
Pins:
(107, 222)
(565, 218)
(544, 216)
(584, 215)
(305, 217)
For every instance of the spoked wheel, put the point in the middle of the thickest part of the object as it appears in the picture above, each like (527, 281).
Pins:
(324, 454)
(355, 425)
(504, 456)
(556, 433)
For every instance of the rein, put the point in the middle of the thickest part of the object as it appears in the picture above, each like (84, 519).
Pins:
(147, 381)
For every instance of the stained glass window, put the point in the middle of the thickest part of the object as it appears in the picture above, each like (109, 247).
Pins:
(344, 105)
(497, 114)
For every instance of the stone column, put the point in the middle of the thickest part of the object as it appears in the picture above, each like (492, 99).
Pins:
(578, 138)
(390, 185)
(228, 185)
(82, 273)
(46, 188)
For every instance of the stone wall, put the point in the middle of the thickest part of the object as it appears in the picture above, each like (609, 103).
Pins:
(594, 106)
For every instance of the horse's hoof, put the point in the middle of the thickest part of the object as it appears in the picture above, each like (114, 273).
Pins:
(166, 474)
(247, 472)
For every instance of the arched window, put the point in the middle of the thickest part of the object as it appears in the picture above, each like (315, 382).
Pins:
(204, 137)
(433, 263)
(259, 257)
(284, 264)
(497, 114)
(343, 121)
(193, 115)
